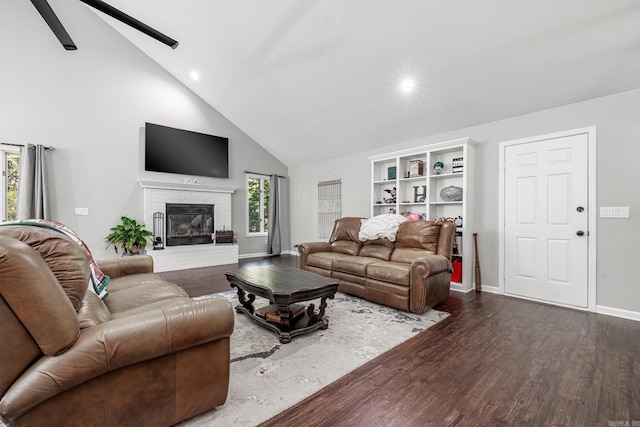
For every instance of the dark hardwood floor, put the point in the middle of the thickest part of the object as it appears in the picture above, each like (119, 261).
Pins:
(495, 361)
(209, 280)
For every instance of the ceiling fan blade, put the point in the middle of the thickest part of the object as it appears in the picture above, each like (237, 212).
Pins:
(130, 21)
(54, 23)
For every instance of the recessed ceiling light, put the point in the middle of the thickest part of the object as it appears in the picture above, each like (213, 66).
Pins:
(406, 85)
(195, 75)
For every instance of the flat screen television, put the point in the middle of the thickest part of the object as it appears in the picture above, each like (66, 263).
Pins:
(185, 152)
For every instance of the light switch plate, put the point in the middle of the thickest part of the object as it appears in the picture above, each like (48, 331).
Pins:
(614, 212)
(82, 211)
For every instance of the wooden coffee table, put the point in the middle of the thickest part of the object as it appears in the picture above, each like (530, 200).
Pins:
(285, 287)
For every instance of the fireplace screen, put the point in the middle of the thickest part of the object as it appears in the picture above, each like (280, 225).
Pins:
(189, 224)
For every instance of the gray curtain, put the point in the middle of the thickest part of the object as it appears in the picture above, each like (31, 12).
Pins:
(33, 189)
(274, 246)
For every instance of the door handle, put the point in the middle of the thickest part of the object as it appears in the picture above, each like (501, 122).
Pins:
(580, 233)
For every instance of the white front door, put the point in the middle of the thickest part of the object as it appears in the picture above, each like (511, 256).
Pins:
(546, 220)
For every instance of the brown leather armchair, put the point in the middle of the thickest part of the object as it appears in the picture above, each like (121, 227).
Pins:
(148, 355)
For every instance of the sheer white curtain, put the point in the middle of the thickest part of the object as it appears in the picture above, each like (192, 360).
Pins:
(329, 206)
(33, 188)
(274, 245)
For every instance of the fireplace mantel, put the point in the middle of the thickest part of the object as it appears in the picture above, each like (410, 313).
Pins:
(186, 187)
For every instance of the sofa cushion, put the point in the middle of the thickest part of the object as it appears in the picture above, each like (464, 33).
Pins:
(98, 280)
(34, 296)
(387, 271)
(353, 265)
(346, 247)
(344, 238)
(418, 234)
(379, 248)
(93, 311)
(346, 228)
(325, 260)
(322, 260)
(64, 257)
(130, 298)
(408, 255)
(160, 304)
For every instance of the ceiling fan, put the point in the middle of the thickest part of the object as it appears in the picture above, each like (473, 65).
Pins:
(56, 26)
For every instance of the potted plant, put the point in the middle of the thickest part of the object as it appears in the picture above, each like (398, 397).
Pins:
(130, 235)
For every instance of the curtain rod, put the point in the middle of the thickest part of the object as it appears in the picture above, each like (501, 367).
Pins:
(263, 174)
(22, 145)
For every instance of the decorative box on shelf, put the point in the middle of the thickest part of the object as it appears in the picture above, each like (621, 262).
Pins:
(416, 168)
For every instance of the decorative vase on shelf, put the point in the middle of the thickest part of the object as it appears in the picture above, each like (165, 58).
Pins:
(451, 194)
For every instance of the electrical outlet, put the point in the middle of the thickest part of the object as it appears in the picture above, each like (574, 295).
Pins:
(614, 212)
(82, 211)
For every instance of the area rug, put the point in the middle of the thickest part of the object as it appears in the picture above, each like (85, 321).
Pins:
(268, 377)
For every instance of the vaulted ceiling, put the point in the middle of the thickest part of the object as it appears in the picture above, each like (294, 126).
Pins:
(309, 80)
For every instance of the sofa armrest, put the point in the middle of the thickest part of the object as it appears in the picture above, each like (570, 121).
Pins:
(445, 239)
(305, 249)
(430, 281)
(123, 266)
(119, 343)
(430, 265)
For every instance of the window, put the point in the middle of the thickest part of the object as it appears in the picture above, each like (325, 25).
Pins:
(9, 191)
(257, 205)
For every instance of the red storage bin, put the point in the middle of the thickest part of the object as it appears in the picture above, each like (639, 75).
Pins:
(456, 276)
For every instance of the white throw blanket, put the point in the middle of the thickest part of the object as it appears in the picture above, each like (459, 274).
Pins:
(380, 226)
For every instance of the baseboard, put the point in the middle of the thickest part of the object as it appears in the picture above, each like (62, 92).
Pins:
(618, 312)
(600, 309)
(557, 304)
(258, 255)
(490, 289)
(462, 291)
(484, 288)
(264, 254)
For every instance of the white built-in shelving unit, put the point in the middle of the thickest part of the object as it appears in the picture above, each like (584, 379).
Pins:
(418, 188)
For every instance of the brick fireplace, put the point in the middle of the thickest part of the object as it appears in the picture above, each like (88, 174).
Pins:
(182, 256)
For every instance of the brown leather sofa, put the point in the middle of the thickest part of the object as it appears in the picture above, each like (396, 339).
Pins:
(412, 274)
(148, 355)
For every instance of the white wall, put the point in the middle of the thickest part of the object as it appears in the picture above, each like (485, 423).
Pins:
(91, 105)
(618, 128)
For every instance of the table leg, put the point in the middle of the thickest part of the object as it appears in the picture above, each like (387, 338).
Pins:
(285, 317)
(246, 300)
(319, 316)
(284, 337)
